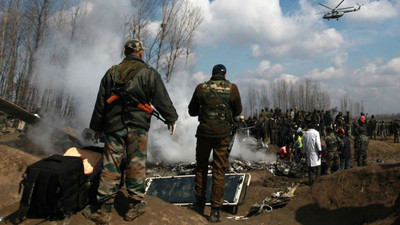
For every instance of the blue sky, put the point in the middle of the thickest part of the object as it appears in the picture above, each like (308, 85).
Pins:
(267, 40)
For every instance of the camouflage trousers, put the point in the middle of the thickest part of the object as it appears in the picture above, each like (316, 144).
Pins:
(361, 156)
(332, 161)
(360, 150)
(396, 136)
(383, 135)
(125, 153)
(219, 164)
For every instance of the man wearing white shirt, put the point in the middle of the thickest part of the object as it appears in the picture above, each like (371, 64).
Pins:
(313, 150)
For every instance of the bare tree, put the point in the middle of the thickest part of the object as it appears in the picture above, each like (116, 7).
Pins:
(179, 20)
(264, 100)
(251, 101)
(180, 35)
(325, 100)
(37, 13)
(345, 103)
(292, 95)
(137, 24)
(280, 94)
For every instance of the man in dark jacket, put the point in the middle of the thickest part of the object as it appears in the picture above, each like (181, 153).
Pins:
(125, 128)
(216, 103)
(345, 154)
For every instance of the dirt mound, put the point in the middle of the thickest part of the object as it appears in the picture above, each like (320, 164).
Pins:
(361, 195)
(12, 165)
(368, 195)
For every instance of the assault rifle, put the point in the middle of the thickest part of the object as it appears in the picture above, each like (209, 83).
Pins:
(235, 126)
(131, 100)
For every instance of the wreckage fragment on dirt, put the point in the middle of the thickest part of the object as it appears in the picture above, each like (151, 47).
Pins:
(178, 190)
(276, 200)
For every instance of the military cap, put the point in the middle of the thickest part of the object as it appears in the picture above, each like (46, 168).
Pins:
(135, 44)
(219, 69)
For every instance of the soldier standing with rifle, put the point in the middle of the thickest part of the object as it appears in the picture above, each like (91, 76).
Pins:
(123, 113)
(216, 103)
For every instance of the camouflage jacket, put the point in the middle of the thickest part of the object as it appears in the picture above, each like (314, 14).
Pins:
(361, 142)
(3, 121)
(219, 126)
(139, 80)
(333, 142)
(359, 129)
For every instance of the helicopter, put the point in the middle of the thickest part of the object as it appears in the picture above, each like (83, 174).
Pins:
(336, 12)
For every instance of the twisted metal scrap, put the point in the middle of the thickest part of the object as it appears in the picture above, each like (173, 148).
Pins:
(276, 200)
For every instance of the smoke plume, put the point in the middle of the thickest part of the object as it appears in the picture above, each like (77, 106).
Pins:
(97, 45)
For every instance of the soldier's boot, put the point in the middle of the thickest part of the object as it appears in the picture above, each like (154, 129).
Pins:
(198, 207)
(136, 209)
(214, 215)
(99, 215)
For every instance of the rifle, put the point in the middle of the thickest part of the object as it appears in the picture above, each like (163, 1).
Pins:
(235, 127)
(131, 100)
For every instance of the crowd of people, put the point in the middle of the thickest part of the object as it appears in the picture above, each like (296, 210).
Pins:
(288, 131)
(8, 124)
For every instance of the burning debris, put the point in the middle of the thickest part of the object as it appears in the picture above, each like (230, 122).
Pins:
(279, 168)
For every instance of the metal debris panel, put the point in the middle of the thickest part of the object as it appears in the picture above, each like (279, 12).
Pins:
(179, 190)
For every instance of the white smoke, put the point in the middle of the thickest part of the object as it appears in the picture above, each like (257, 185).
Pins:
(82, 61)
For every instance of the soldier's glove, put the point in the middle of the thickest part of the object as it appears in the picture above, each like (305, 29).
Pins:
(171, 126)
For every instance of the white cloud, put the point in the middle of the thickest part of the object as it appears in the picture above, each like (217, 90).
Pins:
(392, 68)
(373, 11)
(375, 83)
(200, 77)
(262, 26)
(264, 71)
(339, 60)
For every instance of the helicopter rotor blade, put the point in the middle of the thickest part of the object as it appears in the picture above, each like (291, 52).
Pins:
(325, 6)
(339, 4)
(351, 7)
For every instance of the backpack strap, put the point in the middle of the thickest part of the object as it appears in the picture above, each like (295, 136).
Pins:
(217, 95)
(29, 183)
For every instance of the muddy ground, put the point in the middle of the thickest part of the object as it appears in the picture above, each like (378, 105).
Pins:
(361, 195)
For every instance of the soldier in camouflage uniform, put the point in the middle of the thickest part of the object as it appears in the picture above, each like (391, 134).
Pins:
(216, 103)
(339, 121)
(3, 123)
(125, 129)
(396, 128)
(371, 126)
(360, 141)
(332, 144)
(382, 130)
(347, 127)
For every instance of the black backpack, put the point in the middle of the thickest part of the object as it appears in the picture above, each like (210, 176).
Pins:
(53, 188)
